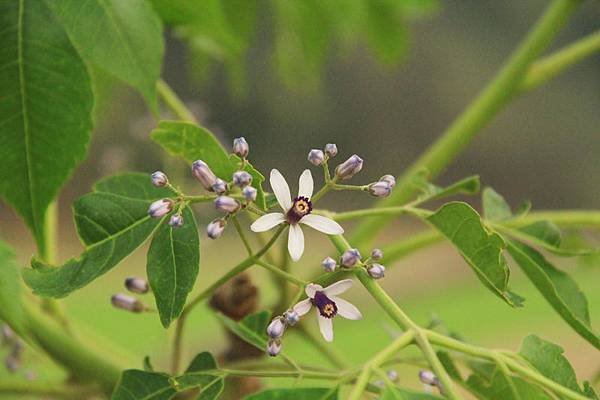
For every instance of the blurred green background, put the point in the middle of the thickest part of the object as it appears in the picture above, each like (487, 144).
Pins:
(544, 147)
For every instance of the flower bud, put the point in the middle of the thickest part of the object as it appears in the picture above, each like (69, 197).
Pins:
(242, 178)
(215, 229)
(392, 375)
(204, 174)
(389, 179)
(249, 193)
(176, 221)
(350, 257)
(329, 264)
(380, 189)
(428, 378)
(330, 150)
(8, 335)
(377, 254)
(240, 147)
(128, 303)
(226, 204)
(220, 186)
(349, 168)
(377, 271)
(137, 285)
(291, 317)
(274, 347)
(316, 157)
(160, 208)
(276, 328)
(159, 179)
(12, 363)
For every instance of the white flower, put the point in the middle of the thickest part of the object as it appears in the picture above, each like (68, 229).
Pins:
(296, 211)
(328, 305)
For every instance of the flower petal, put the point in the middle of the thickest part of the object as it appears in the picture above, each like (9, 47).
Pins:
(311, 289)
(295, 242)
(305, 184)
(338, 288)
(322, 224)
(281, 190)
(326, 327)
(267, 221)
(303, 307)
(346, 309)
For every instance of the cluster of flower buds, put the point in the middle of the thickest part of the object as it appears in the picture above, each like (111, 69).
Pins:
(126, 302)
(352, 256)
(429, 379)
(12, 362)
(375, 270)
(383, 187)
(318, 157)
(276, 329)
(162, 207)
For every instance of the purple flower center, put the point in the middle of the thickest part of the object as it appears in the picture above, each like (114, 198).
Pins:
(326, 306)
(301, 207)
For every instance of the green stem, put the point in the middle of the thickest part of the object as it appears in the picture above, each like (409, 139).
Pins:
(241, 234)
(173, 102)
(281, 374)
(550, 66)
(242, 266)
(363, 379)
(44, 390)
(487, 104)
(279, 272)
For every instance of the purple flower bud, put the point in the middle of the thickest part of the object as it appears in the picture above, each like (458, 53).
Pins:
(331, 150)
(380, 189)
(377, 271)
(274, 347)
(137, 285)
(389, 179)
(159, 179)
(276, 328)
(240, 147)
(291, 317)
(377, 254)
(329, 264)
(226, 204)
(349, 168)
(316, 157)
(249, 193)
(128, 303)
(160, 208)
(242, 178)
(428, 378)
(176, 221)
(204, 174)
(215, 229)
(12, 363)
(8, 335)
(392, 375)
(350, 257)
(220, 186)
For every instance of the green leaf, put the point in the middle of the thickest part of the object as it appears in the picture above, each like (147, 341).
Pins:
(123, 38)
(499, 388)
(461, 224)
(296, 394)
(45, 109)
(396, 393)
(135, 385)
(112, 222)
(558, 288)
(495, 208)
(172, 266)
(429, 191)
(252, 328)
(210, 384)
(547, 235)
(191, 142)
(386, 30)
(589, 391)
(11, 307)
(548, 359)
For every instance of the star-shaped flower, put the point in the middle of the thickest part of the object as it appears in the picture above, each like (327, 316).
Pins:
(328, 305)
(295, 212)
